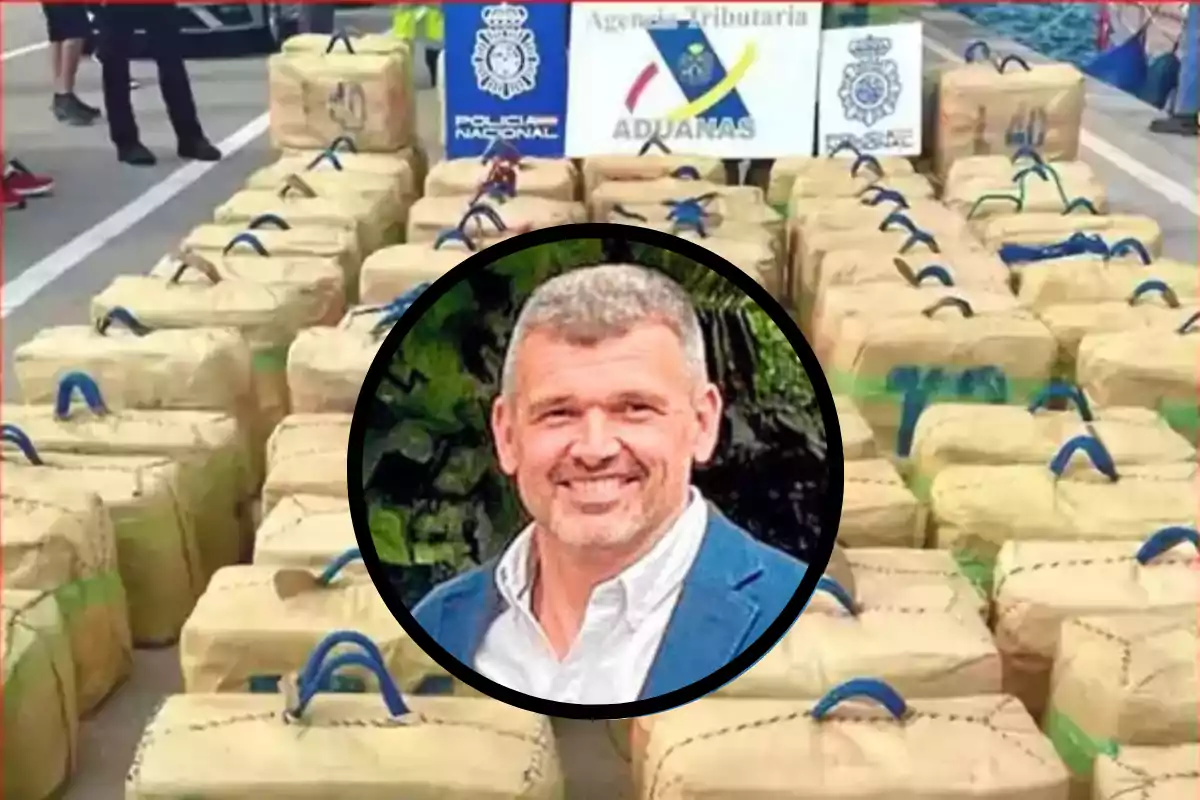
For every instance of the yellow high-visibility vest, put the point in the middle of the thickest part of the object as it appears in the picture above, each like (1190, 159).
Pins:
(419, 22)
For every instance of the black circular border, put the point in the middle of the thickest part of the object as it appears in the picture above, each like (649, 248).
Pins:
(834, 465)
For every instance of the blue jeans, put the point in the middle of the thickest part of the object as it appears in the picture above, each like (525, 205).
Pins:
(1187, 98)
(317, 17)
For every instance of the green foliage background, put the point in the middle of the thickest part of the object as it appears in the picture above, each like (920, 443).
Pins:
(436, 498)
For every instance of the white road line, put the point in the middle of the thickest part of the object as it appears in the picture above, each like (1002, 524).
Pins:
(1152, 179)
(17, 52)
(19, 290)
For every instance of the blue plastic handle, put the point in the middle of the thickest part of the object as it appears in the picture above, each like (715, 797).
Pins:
(269, 219)
(845, 144)
(1058, 390)
(320, 653)
(1166, 539)
(453, 235)
(343, 141)
(338, 564)
(1025, 151)
(969, 52)
(989, 384)
(838, 592)
(245, 237)
(78, 382)
(897, 218)
(387, 687)
(15, 436)
(865, 689)
(688, 173)
(1154, 285)
(914, 386)
(621, 211)
(1189, 325)
(961, 304)
(883, 195)
(325, 155)
(920, 237)
(654, 141)
(1093, 448)
(125, 318)
(1012, 58)
(934, 271)
(1130, 244)
(1039, 169)
(480, 209)
(866, 160)
(1080, 202)
(1078, 244)
(344, 38)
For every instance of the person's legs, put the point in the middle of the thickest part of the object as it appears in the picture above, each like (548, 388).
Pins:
(431, 62)
(67, 26)
(117, 23)
(759, 173)
(161, 23)
(1184, 121)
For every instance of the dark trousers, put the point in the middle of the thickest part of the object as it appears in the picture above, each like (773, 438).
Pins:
(161, 24)
(317, 17)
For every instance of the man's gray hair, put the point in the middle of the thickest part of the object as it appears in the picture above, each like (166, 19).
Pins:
(592, 304)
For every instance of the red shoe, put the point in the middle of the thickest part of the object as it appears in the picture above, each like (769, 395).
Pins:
(12, 202)
(20, 181)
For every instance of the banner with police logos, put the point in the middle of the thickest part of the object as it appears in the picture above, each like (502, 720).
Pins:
(872, 90)
(728, 80)
(505, 77)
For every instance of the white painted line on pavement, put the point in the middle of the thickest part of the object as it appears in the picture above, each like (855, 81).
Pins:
(1150, 178)
(17, 52)
(19, 290)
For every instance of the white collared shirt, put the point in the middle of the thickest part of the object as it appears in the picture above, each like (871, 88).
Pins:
(622, 627)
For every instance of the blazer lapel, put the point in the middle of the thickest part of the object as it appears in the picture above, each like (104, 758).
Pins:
(713, 617)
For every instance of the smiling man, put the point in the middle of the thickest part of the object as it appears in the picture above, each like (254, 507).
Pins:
(627, 584)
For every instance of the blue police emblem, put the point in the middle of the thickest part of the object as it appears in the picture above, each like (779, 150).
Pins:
(696, 65)
(870, 85)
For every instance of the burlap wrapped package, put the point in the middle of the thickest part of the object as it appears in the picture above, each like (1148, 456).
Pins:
(858, 441)
(1069, 499)
(896, 364)
(306, 454)
(373, 218)
(268, 317)
(995, 108)
(972, 270)
(218, 476)
(327, 366)
(487, 222)
(306, 531)
(610, 195)
(1003, 168)
(255, 624)
(60, 539)
(970, 433)
(1042, 230)
(273, 235)
(855, 214)
(1039, 585)
(761, 225)
(396, 169)
(1151, 368)
(1034, 190)
(834, 172)
(878, 510)
(810, 195)
(392, 271)
(414, 156)
(862, 741)
(41, 719)
(758, 259)
(306, 742)
(1122, 680)
(1149, 773)
(1070, 324)
(1086, 279)
(609, 169)
(923, 650)
(551, 178)
(913, 578)
(324, 276)
(140, 368)
(317, 96)
(154, 526)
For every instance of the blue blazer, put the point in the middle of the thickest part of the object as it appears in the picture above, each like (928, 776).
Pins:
(736, 588)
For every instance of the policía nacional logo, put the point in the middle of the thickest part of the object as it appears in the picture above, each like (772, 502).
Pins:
(506, 57)
(695, 66)
(871, 84)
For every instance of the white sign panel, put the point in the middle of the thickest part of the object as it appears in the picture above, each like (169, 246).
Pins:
(871, 89)
(727, 80)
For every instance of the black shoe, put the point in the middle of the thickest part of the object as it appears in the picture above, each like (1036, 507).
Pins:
(1177, 125)
(136, 155)
(199, 150)
(71, 110)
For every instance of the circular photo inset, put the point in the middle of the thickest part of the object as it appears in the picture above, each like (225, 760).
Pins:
(595, 471)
